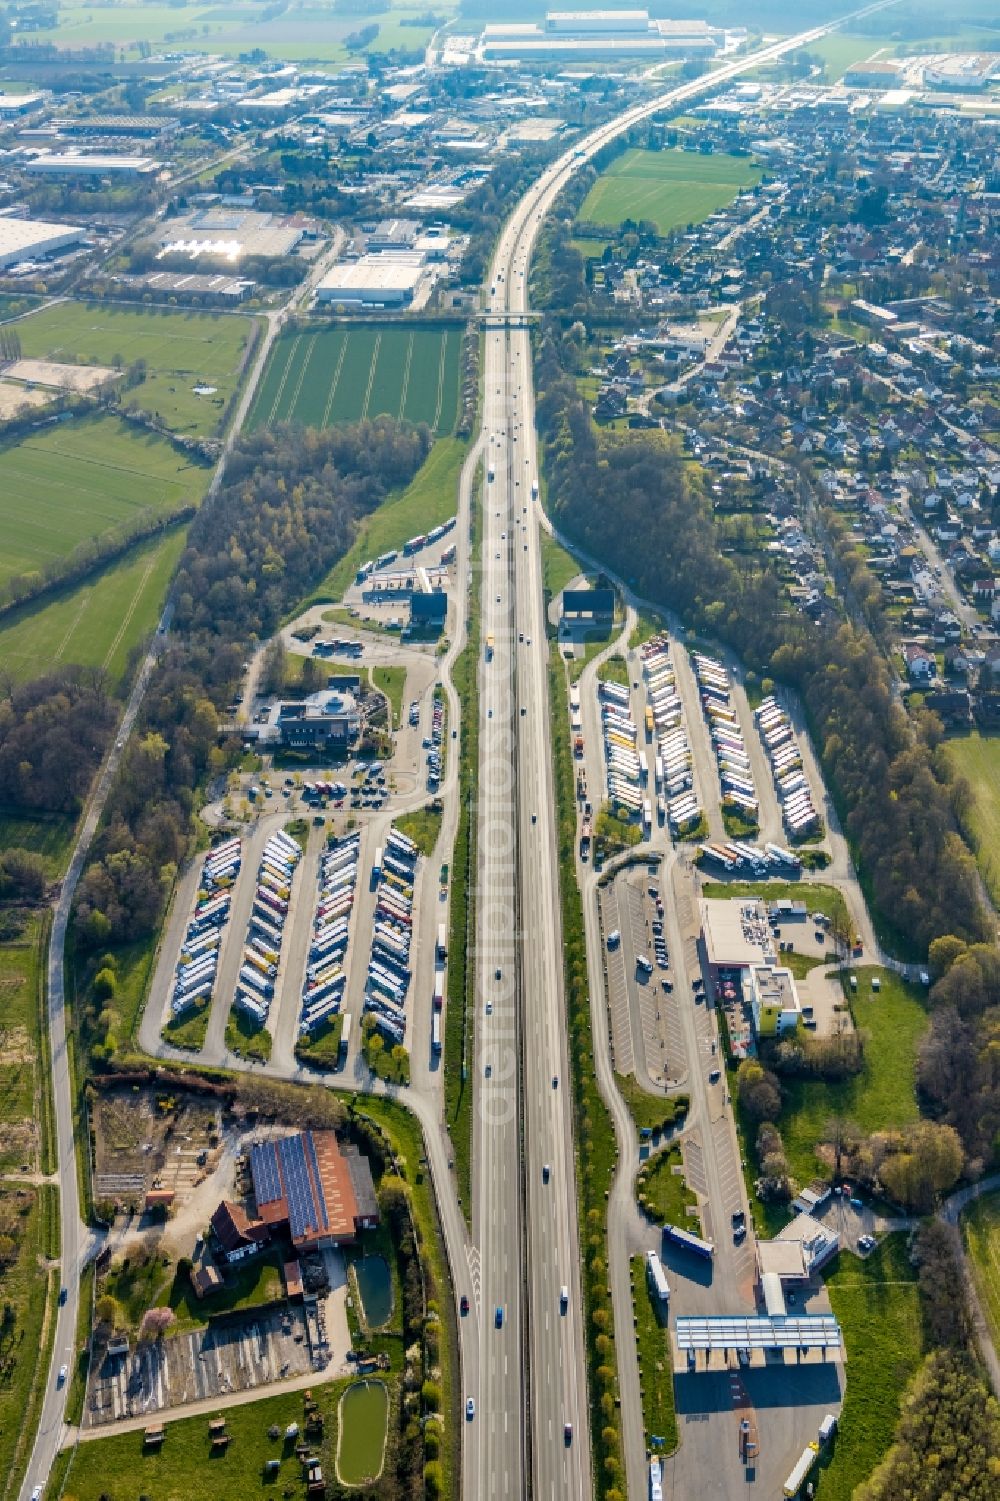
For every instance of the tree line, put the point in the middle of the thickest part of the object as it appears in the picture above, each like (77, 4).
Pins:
(629, 499)
(286, 511)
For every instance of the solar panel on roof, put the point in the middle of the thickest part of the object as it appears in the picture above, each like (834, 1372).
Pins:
(264, 1168)
(320, 1196)
(302, 1216)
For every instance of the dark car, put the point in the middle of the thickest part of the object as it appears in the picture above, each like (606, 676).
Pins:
(463, 1306)
(498, 1317)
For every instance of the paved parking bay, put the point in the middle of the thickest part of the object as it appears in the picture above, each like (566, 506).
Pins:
(617, 984)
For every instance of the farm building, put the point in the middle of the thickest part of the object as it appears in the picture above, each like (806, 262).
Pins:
(306, 1186)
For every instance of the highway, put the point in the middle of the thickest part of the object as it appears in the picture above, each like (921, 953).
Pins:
(529, 1436)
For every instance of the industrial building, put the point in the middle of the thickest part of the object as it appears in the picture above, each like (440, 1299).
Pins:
(28, 239)
(307, 1186)
(589, 604)
(963, 72)
(226, 291)
(90, 164)
(13, 106)
(598, 34)
(223, 232)
(141, 127)
(372, 281)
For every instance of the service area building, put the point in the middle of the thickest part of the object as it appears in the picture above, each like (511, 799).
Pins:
(737, 941)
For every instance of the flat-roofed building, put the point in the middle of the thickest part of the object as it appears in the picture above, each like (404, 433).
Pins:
(598, 33)
(372, 281)
(141, 127)
(29, 239)
(90, 164)
(774, 1000)
(12, 106)
(735, 933)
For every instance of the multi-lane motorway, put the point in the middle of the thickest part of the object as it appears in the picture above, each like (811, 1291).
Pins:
(529, 1434)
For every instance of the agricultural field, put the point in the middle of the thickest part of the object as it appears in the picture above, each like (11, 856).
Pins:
(81, 479)
(344, 374)
(981, 1232)
(22, 1111)
(97, 623)
(430, 498)
(842, 50)
(28, 1216)
(181, 350)
(670, 188)
(977, 758)
(313, 32)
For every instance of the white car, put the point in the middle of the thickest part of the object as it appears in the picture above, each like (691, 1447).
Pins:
(470, 1409)
(63, 1373)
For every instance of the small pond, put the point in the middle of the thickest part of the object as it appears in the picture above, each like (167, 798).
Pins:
(364, 1417)
(375, 1287)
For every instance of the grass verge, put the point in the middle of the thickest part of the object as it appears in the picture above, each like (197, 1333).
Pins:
(404, 1133)
(981, 1233)
(188, 1031)
(878, 1305)
(423, 826)
(429, 499)
(652, 1340)
(391, 681)
(596, 1151)
(651, 1112)
(458, 1087)
(245, 1037)
(321, 1048)
(662, 1189)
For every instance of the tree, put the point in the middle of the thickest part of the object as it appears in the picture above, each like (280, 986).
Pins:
(928, 1164)
(843, 1136)
(759, 1091)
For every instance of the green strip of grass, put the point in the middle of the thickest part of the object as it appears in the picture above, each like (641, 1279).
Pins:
(81, 1362)
(406, 1137)
(614, 670)
(392, 682)
(596, 1151)
(245, 1038)
(653, 1348)
(878, 1305)
(458, 1087)
(651, 1112)
(423, 826)
(429, 499)
(981, 1232)
(188, 1031)
(321, 1048)
(662, 1189)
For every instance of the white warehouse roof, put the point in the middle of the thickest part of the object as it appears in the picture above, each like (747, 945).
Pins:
(21, 239)
(377, 275)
